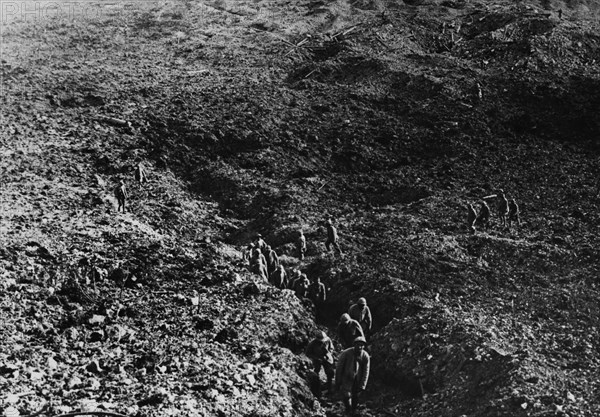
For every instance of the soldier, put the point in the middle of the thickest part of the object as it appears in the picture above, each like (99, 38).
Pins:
(258, 265)
(272, 259)
(320, 351)
(279, 278)
(352, 373)
(484, 215)
(259, 242)
(140, 173)
(301, 245)
(471, 217)
(121, 195)
(513, 212)
(248, 252)
(348, 330)
(317, 292)
(362, 314)
(260, 269)
(332, 238)
(301, 286)
(295, 277)
(502, 206)
(258, 256)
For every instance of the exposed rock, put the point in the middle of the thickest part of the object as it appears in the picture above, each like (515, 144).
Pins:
(96, 336)
(94, 367)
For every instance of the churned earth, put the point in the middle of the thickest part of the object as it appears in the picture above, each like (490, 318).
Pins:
(388, 117)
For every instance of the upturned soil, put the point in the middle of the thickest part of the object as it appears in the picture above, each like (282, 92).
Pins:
(386, 117)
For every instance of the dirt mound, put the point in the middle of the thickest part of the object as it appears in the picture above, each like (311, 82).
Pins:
(386, 117)
(465, 365)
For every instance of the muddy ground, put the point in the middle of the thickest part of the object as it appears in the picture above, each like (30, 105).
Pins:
(270, 116)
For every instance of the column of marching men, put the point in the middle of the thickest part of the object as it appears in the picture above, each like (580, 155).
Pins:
(352, 370)
(350, 375)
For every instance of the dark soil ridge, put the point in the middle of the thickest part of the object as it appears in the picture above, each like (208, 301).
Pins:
(389, 128)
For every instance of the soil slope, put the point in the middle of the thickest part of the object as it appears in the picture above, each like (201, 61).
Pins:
(268, 116)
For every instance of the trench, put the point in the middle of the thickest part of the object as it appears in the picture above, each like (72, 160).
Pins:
(237, 197)
(257, 210)
(384, 390)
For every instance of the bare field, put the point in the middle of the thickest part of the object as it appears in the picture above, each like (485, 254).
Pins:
(269, 116)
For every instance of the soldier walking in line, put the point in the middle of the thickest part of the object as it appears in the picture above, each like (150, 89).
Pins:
(121, 195)
(257, 256)
(140, 173)
(260, 269)
(317, 292)
(248, 252)
(362, 314)
(296, 275)
(348, 330)
(352, 374)
(259, 242)
(301, 286)
(320, 351)
(513, 213)
(279, 278)
(332, 238)
(301, 245)
(272, 259)
(483, 217)
(258, 265)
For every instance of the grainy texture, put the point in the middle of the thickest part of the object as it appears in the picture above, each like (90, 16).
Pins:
(268, 116)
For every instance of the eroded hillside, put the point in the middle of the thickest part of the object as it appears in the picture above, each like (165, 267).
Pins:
(270, 116)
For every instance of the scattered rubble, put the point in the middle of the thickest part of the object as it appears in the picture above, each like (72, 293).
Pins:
(388, 117)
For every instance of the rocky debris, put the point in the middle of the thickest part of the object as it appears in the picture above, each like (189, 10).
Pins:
(204, 324)
(387, 117)
(93, 367)
(96, 336)
(251, 289)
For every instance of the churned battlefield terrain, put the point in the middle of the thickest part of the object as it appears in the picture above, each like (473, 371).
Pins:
(387, 117)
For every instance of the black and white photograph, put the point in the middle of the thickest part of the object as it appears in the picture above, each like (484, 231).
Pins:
(300, 208)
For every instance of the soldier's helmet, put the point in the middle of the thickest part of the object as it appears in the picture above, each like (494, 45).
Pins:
(320, 335)
(345, 318)
(362, 301)
(359, 341)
